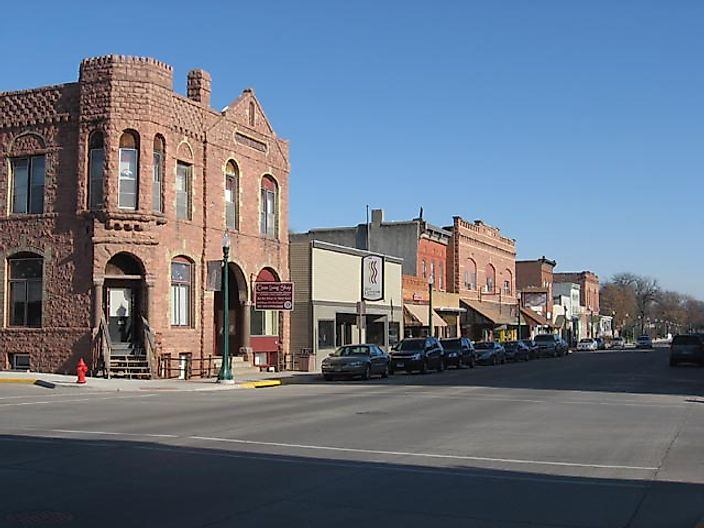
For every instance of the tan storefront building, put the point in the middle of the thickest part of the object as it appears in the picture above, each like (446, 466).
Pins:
(329, 310)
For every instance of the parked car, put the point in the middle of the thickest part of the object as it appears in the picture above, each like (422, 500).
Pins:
(644, 341)
(459, 351)
(618, 342)
(417, 353)
(351, 361)
(532, 347)
(490, 353)
(587, 344)
(687, 349)
(550, 345)
(600, 343)
(517, 351)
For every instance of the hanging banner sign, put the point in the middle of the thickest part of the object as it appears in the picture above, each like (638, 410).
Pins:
(372, 278)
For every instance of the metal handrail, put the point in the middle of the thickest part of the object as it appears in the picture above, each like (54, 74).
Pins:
(102, 347)
(149, 347)
(170, 367)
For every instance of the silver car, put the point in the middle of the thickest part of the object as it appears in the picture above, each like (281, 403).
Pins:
(351, 361)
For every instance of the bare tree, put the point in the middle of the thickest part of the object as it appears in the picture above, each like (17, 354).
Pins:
(645, 291)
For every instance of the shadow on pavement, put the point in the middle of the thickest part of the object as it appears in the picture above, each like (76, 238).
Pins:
(620, 371)
(116, 483)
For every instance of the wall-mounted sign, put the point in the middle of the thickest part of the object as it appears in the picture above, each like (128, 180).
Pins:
(273, 296)
(372, 278)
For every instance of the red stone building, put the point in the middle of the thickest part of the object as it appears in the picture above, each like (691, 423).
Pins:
(482, 269)
(115, 193)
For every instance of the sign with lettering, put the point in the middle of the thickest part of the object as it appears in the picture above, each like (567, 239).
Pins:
(372, 278)
(251, 142)
(273, 296)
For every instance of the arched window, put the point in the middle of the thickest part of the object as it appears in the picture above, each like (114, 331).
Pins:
(490, 278)
(231, 195)
(129, 171)
(184, 196)
(470, 275)
(96, 170)
(25, 285)
(158, 175)
(508, 282)
(269, 216)
(181, 291)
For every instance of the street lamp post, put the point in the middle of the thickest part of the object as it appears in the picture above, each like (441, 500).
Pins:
(225, 374)
(430, 306)
(518, 315)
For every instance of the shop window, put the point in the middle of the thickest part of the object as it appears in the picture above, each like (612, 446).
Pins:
(264, 322)
(326, 334)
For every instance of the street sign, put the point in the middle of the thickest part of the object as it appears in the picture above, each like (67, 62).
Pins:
(273, 296)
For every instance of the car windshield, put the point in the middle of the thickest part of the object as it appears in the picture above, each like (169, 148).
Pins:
(585, 340)
(484, 346)
(412, 344)
(451, 343)
(351, 351)
(686, 340)
(643, 338)
(544, 337)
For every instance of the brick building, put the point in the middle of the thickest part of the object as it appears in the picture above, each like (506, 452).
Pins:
(587, 319)
(534, 280)
(115, 193)
(482, 270)
(423, 248)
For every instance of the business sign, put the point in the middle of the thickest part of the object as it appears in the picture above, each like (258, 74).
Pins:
(372, 278)
(273, 296)
(536, 301)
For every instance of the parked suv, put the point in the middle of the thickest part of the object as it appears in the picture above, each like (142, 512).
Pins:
(687, 349)
(417, 353)
(550, 345)
(459, 351)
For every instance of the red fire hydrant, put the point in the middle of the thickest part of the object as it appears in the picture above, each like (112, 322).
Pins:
(81, 370)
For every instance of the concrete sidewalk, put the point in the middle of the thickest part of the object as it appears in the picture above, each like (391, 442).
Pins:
(250, 381)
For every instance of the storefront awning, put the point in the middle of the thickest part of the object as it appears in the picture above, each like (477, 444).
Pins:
(534, 317)
(419, 315)
(497, 314)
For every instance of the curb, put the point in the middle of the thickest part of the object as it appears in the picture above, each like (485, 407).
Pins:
(26, 381)
(260, 384)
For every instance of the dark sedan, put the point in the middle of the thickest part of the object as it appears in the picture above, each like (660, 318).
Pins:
(356, 361)
(532, 347)
(686, 349)
(490, 353)
(517, 351)
(418, 353)
(459, 351)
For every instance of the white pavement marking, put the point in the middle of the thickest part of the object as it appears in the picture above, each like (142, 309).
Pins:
(44, 402)
(420, 455)
(404, 469)
(73, 431)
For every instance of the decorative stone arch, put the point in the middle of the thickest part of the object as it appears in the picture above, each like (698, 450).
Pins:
(27, 143)
(125, 263)
(184, 151)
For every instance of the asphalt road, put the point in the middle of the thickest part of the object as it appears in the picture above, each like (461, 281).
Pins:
(610, 439)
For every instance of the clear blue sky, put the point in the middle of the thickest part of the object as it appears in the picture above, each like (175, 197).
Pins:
(576, 127)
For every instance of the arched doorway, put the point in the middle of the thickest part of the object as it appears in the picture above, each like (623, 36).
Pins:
(237, 305)
(123, 302)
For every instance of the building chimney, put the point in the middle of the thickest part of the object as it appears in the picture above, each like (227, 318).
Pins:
(198, 87)
(377, 216)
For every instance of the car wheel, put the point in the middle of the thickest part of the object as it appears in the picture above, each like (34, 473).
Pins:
(386, 372)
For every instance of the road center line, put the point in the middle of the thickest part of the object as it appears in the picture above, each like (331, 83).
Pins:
(44, 402)
(419, 455)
